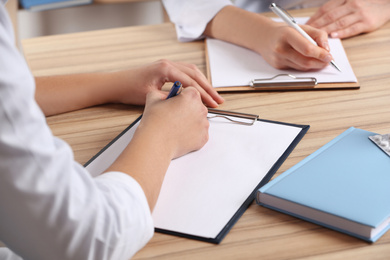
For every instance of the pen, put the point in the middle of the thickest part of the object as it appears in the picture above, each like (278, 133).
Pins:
(287, 18)
(175, 90)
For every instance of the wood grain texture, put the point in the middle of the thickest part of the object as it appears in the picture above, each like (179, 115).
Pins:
(260, 233)
(12, 9)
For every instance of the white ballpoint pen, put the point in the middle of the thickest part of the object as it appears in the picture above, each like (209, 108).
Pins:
(287, 18)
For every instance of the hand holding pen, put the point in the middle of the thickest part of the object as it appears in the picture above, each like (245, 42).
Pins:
(131, 86)
(287, 18)
(180, 121)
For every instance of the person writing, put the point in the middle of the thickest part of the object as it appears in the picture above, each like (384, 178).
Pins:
(50, 206)
(281, 46)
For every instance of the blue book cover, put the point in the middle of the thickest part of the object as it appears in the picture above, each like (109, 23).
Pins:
(345, 185)
(41, 5)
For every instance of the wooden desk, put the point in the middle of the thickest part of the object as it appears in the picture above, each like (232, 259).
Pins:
(260, 233)
(12, 9)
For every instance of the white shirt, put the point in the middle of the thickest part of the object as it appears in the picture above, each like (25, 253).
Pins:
(50, 206)
(192, 16)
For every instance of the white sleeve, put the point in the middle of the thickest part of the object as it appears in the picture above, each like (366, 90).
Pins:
(192, 16)
(50, 207)
(6, 254)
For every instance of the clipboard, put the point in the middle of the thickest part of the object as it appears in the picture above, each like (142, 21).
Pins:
(234, 61)
(199, 204)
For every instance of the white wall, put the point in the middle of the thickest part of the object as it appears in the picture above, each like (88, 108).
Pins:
(88, 17)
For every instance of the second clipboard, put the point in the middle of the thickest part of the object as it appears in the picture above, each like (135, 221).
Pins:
(232, 68)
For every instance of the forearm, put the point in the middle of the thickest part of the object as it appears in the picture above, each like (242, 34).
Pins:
(168, 129)
(240, 27)
(146, 159)
(59, 94)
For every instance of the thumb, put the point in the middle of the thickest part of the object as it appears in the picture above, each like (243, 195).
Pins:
(154, 96)
(319, 36)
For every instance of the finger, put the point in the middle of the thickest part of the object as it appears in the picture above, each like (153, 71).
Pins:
(342, 23)
(320, 12)
(325, 8)
(194, 93)
(181, 73)
(202, 81)
(350, 31)
(191, 91)
(319, 36)
(330, 16)
(306, 64)
(306, 48)
(186, 80)
(154, 96)
(195, 96)
(297, 61)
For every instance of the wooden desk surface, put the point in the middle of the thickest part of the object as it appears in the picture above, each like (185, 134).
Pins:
(260, 233)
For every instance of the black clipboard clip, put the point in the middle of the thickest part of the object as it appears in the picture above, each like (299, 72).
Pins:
(284, 80)
(228, 114)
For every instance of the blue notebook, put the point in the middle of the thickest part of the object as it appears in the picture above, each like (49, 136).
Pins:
(345, 186)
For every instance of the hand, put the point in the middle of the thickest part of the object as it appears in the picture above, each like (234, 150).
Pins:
(180, 122)
(280, 45)
(283, 47)
(346, 18)
(168, 129)
(135, 84)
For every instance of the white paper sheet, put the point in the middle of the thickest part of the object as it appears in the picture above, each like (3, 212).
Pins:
(204, 189)
(232, 65)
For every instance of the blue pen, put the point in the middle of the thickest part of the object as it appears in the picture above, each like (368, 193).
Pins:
(175, 90)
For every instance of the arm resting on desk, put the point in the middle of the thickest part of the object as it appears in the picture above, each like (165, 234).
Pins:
(59, 94)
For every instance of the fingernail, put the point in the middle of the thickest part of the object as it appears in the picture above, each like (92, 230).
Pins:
(326, 46)
(327, 58)
(334, 35)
